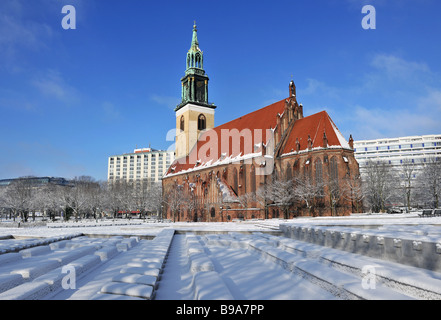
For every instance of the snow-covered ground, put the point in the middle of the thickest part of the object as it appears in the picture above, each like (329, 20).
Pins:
(246, 260)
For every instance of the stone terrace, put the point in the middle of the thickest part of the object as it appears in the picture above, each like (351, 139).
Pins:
(300, 261)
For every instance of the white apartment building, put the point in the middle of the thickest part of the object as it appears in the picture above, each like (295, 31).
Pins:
(395, 151)
(142, 165)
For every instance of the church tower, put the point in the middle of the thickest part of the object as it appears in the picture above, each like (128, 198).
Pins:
(194, 114)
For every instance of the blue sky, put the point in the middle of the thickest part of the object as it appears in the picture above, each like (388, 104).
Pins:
(69, 99)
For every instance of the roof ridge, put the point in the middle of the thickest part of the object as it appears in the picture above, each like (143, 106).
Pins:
(250, 114)
(316, 131)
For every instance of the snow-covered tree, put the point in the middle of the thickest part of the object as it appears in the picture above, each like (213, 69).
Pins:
(307, 192)
(407, 172)
(263, 197)
(379, 185)
(18, 197)
(282, 194)
(154, 198)
(429, 182)
(175, 200)
(112, 197)
(352, 190)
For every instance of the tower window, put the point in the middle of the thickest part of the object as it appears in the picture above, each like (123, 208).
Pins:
(182, 126)
(202, 123)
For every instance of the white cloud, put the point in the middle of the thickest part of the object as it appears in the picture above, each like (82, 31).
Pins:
(19, 33)
(394, 97)
(430, 102)
(168, 101)
(398, 68)
(110, 112)
(52, 85)
(372, 123)
(47, 160)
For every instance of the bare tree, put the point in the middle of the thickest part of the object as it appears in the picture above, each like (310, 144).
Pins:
(18, 197)
(353, 191)
(281, 193)
(430, 182)
(246, 201)
(335, 193)
(192, 202)
(175, 200)
(263, 198)
(141, 197)
(112, 197)
(78, 198)
(378, 184)
(128, 197)
(155, 197)
(40, 200)
(308, 192)
(95, 198)
(407, 172)
(2, 201)
(52, 197)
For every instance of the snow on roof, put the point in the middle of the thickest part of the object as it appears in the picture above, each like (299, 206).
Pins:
(314, 126)
(248, 126)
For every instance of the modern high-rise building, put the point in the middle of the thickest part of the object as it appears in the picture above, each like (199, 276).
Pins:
(142, 165)
(396, 151)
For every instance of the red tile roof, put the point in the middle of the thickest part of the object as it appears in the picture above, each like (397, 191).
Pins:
(314, 126)
(254, 125)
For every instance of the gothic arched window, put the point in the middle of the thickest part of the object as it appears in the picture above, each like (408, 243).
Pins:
(253, 179)
(318, 171)
(333, 168)
(198, 61)
(235, 185)
(182, 126)
(288, 172)
(202, 122)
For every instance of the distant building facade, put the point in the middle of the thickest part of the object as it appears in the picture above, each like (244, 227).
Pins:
(147, 164)
(396, 151)
(37, 181)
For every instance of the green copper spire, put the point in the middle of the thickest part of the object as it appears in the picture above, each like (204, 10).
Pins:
(195, 81)
(194, 40)
(195, 56)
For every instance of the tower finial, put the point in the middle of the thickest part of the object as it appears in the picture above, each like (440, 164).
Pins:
(292, 87)
(194, 40)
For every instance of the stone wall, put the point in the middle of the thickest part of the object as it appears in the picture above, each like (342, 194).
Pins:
(411, 249)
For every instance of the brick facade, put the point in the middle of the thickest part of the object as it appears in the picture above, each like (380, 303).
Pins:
(219, 180)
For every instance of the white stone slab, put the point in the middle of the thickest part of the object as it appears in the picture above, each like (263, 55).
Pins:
(128, 289)
(135, 278)
(9, 281)
(142, 271)
(27, 291)
(32, 252)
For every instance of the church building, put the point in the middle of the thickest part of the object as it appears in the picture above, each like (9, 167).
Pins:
(270, 163)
